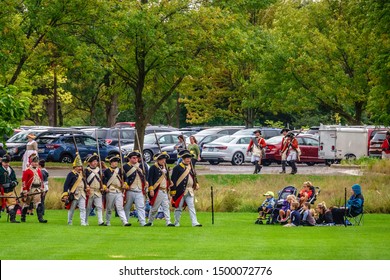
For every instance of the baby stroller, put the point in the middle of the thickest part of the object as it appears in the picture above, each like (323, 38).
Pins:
(282, 197)
(315, 191)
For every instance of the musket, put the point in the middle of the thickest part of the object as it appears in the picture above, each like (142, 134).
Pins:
(20, 196)
(142, 160)
(166, 167)
(100, 161)
(345, 205)
(289, 144)
(191, 166)
(120, 154)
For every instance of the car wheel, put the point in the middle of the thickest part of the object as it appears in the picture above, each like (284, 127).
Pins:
(214, 162)
(350, 157)
(148, 156)
(238, 158)
(310, 163)
(66, 158)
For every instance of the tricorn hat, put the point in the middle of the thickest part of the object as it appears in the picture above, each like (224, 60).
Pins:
(33, 158)
(161, 155)
(77, 161)
(113, 158)
(91, 158)
(134, 153)
(185, 154)
(257, 131)
(284, 130)
(6, 158)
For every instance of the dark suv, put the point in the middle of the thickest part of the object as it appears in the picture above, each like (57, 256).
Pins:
(61, 148)
(16, 145)
(110, 135)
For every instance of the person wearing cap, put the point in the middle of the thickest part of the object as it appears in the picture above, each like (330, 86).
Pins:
(266, 207)
(94, 188)
(135, 186)
(386, 146)
(31, 148)
(32, 189)
(8, 183)
(353, 208)
(291, 149)
(159, 188)
(256, 146)
(74, 194)
(113, 183)
(283, 149)
(182, 191)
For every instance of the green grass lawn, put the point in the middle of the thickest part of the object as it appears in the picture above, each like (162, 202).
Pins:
(234, 236)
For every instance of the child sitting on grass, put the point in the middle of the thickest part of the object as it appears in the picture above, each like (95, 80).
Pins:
(307, 219)
(285, 212)
(295, 216)
(266, 207)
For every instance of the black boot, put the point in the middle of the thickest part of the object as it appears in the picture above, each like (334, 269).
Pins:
(24, 213)
(12, 216)
(283, 167)
(258, 167)
(40, 214)
(293, 167)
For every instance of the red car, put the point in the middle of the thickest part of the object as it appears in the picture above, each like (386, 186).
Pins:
(307, 143)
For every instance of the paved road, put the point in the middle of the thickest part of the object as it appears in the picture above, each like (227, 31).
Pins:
(226, 168)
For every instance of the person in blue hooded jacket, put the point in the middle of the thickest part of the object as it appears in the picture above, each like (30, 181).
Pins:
(353, 208)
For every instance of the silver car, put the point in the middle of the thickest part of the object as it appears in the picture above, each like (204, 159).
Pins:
(227, 148)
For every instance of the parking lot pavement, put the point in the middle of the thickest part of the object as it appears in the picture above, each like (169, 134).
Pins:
(227, 168)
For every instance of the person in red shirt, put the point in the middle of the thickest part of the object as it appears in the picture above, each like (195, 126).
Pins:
(256, 146)
(305, 193)
(32, 188)
(283, 149)
(386, 147)
(291, 150)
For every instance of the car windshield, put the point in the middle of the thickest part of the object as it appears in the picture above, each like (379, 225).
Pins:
(43, 140)
(150, 139)
(225, 139)
(20, 137)
(245, 131)
(274, 140)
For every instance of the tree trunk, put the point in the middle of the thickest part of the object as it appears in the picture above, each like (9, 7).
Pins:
(60, 114)
(112, 110)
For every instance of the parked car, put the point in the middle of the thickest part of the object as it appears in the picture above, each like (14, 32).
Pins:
(376, 142)
(266, 132)
(307, 143)
(110, 135)
(159, 128)
(231, 148)
(150, 144)
(124, 124)
(16, 145)
(61, 148)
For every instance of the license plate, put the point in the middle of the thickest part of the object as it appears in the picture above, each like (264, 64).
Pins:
(211, 149)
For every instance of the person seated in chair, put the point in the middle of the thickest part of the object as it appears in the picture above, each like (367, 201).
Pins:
(305, 193)
(353, 208)
(266, 207)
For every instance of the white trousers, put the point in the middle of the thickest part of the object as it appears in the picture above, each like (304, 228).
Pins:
(163, 200)
(138, 199)
(98, 202)
(81, 204)
(187, 198)
(115, 199)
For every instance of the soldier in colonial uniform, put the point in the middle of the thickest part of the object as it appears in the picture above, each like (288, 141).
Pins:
(74, 194)
(159, 188)
(94, 188)
(113, 183)
(135, 186)
(33, 188)
(184, 185)
(283, 149)
(292, 151)
(256, 146)
(8, 183)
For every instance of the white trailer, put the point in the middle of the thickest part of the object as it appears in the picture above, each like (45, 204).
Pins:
(342, 142)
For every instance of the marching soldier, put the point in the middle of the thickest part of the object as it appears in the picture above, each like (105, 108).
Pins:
(8, 183)
(135, 186)
(74, 194)
(159, 189)
(113, 183)
(183, 188)
(256, 146)
(94, 188)
(292, 151)
(283, 149)
(32, 189)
